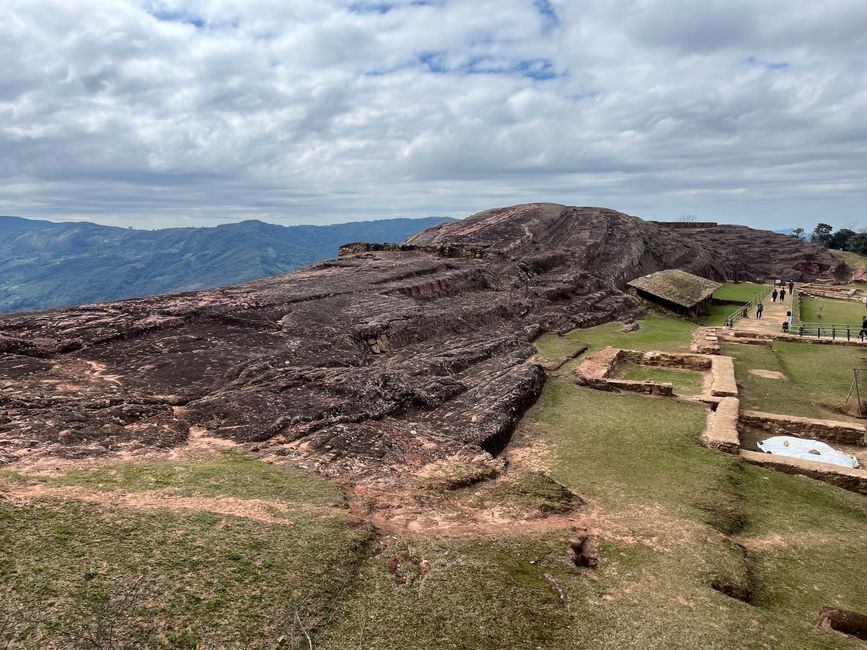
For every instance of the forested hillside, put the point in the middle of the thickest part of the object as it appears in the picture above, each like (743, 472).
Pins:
(45, 264)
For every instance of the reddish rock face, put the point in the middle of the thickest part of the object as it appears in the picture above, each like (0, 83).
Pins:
(388, 354)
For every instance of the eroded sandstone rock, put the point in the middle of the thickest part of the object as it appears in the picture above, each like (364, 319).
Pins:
(388, 354)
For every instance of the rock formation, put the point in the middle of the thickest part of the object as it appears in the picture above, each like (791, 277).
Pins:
(387, 355)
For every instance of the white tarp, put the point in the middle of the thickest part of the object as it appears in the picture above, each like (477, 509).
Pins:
(806, 450)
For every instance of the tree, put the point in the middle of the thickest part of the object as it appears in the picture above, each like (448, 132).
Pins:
(841, 239)
(798, 232)
(822, 234)
(858, 243)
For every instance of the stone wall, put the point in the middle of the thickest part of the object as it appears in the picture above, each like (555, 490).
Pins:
(686, 225)
(597, 369)
(705, 340)
(663, 388)
(831, 431)
(723, 375)
(848, 479)
(666, 359)
(722, 427)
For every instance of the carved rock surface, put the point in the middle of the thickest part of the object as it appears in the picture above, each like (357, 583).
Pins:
(386, 355)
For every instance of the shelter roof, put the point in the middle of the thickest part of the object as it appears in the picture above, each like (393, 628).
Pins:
(674, 285)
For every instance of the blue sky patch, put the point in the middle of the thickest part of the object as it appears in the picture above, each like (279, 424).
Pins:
(548, 14)
(434, 61)
(371, 7)
(770, 65)
(177, 17)
(537, 69)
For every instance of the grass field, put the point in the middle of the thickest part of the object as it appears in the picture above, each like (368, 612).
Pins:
(555, 348)
(685, 382)
(228, 474)
(654, 333)
(833, 311)
(737, 292)
(193, 579)
(742, 292)
(229, 551)
(92, 574)
(717, 315)
(815, 383)
(664, 498)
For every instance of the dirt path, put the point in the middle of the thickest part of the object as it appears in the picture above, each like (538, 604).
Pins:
(400, 513)
(272, 512)
(772, 318)
(395, 505)
(404, 512)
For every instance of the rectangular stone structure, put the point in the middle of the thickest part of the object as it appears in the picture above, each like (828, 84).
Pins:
(723, 374)
(832, 431)
(721, 431)
(854, 480)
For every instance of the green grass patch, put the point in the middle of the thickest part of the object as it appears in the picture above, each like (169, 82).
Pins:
(685, 382)
(230, 474)
(621, 447)
(477, 593)
(553, 350)
(839, 312)
(817, 377)
(807, 543)
(135, 578)
(731, 292)
(742, 292)
(654, 333)
(525, 493)
(638, 459)
(717, 314)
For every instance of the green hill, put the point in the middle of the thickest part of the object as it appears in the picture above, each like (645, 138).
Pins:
(45, 264)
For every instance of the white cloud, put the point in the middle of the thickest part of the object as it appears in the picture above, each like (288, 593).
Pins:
(163, 112)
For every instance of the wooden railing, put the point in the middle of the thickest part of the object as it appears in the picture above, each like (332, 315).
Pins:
(830, 330)
(743, 310)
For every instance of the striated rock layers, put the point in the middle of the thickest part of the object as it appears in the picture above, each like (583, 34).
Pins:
(387, 355)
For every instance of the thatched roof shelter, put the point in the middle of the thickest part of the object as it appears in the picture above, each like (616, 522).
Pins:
(676, 287)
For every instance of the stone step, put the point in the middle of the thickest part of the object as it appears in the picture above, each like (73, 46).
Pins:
(723, 375)
(721, 431)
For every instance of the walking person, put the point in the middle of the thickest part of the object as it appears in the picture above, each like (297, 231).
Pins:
(791, 287)
(863, 331)
(774, 295)
(759, 309)
(782, 295)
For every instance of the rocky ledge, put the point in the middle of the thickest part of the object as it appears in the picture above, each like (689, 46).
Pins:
(388, 355)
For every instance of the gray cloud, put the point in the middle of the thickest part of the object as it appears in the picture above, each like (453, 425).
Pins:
(165, 112)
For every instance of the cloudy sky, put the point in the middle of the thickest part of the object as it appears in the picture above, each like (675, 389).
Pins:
(156, 113)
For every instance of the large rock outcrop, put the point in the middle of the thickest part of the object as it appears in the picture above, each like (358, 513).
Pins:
(389, 354)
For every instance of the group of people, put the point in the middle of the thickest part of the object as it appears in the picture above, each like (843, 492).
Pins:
(781, 294)
(787, 323)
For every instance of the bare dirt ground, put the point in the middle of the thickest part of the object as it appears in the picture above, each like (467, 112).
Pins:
(396, 504)
(272, 512)
(767, 374)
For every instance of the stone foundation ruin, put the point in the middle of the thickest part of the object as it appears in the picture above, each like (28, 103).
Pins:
(729, 429)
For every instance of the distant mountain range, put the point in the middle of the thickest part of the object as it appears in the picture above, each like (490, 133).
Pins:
(45, 264)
